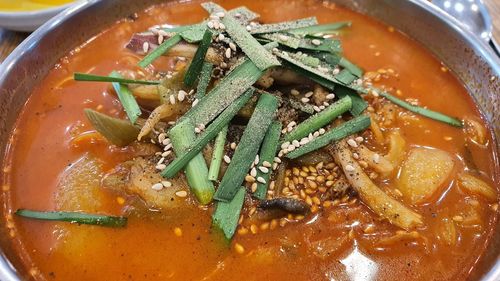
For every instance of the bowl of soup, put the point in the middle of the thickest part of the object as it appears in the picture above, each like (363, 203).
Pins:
(258, 140)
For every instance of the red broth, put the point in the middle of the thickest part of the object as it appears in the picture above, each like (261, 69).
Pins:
(150, 248)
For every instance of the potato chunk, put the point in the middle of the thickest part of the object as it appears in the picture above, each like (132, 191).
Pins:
(423, 172)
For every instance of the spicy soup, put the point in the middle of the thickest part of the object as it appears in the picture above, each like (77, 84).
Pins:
(58, 162)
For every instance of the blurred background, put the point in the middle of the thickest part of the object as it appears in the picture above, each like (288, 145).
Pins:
(18, 18)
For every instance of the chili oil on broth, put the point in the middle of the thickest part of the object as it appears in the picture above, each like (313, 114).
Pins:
(149, 247)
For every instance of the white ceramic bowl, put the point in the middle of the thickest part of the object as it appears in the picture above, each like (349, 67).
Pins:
(30, 20)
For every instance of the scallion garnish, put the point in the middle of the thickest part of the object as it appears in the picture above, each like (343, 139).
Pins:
(322, 28)
(267, 153)
(196, 65)
(217, 155)
(284, 26)
(117, 131)
(248, 147)
(126, 98)
(160, 50)
(204, 79)
(358, 103)
(182, 136)
(97, 78)
(74, 217)
(227, 214)
(345, 129)
(319, 120)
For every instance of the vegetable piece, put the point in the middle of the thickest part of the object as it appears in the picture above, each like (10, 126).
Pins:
(163, 111)
(345, 77)
(351, 67)
(220, 141)
(195, 146)
(127, 99)
(74, 217)
(195, 33)
(267, 153)
(163, 48)
(284, 26)
(423, 173)
(283, 39)
(250, 46)
(376, 199)
(248, 147)
(474, 185)
(97, 78)
(348, 128)
(397, 147)
(327, 45)
(204, 80)
(319, 120)
(196, 170)
(117, 131)
(423, 111)
(198, 60)
(375, 161)
(358, 103)
(322, 28)
(224, 93)
(227, 214)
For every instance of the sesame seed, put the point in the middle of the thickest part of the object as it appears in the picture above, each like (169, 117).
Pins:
(304, 141)
(330, 96)
(157, 186)
(161, 167)
(195, 102)
(316, 108)
(253, 187)
(221, 36)
(349, 168)
(220, 14)
(275, 166)
(266, 164)
(256, 159)
(352, 143)
(248, 28)
(321, 107)
(277, 160)
(309, 94)
(232, 46)
(166, 184)
(291, 124)
(249, 178)
(233, 145)
(322, 131)
(294, 92)
(210, 24)
(227, 159)
(216, 24)
(181, 193)
(168, 145)
(355, 155)
(202, 127)
(296, 143)
(172, 99)
(261, 180)
(239, 248)
(162, 137)
(304, 100)
(316, 134)
(145, 47)
(228, 53)
(197, 130)
(253, 172)
(316, 42)
(160, 39)
(359, 139)
(376, 158)
(264, 169)
(181, 95)
(160, 161)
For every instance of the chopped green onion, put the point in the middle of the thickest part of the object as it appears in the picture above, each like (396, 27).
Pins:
(178, 29)
(97, 78)
(227, 214)
(195, 147)
(126, 98)
(267, 153)
(358, 103)
(199, 57)
(351, 67)
(346, 129)
(117, 131)
(326, 45)
(423, 111)
(319, 120)
(283, 39)
(204, 80)
(160, 50)
(224, 93)
(284, 26)
(332, 59)
(345, 77)
(217, 155)
(195, 33)
(250, 46)
(248, 147)
(182, 136)
(322, 28)
(74, 217)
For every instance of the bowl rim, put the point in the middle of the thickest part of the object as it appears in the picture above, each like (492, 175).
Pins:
(38, 12)
(7, 270)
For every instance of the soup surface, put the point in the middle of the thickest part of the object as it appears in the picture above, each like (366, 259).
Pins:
(340, 240)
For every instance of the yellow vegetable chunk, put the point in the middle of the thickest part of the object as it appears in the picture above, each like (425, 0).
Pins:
(473, 185)
(423, 172)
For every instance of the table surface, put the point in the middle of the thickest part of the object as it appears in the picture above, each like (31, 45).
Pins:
(9, 40)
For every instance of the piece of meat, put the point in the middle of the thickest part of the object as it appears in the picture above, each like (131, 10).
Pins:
(136, 177)
(288, 205)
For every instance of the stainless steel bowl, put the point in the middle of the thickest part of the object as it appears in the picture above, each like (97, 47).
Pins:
(469, 58)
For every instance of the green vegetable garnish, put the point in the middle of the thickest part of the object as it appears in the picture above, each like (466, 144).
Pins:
(196, 65)
(97, 78)
(217, 155)
(227, 214)
(126, 98)
(266, 155)
(117, 131)
(74, 217)
(160, 50)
